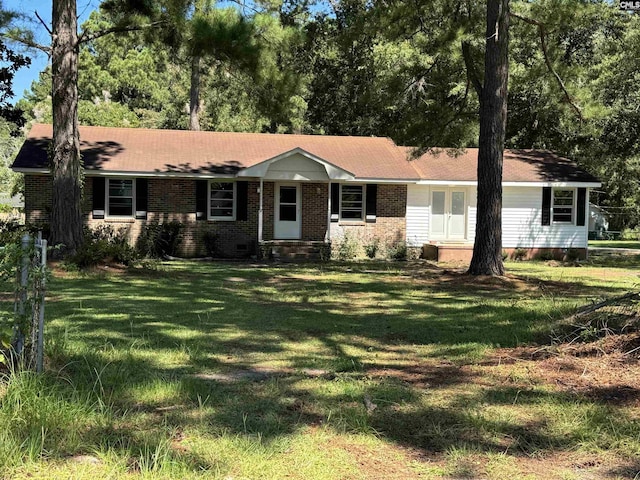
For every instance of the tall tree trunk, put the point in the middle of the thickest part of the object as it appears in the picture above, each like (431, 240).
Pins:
(66, 214)
(194, 94)
(487, 250)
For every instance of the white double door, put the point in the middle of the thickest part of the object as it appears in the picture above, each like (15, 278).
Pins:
(448, 214)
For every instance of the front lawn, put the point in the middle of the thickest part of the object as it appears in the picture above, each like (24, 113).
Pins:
(359, 371)
(632, 244)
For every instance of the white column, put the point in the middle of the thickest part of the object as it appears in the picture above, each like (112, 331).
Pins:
(328, 234)
(260, 215)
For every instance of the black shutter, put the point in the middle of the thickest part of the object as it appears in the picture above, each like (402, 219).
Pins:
(581, 213)
(372, 200)
(242, 200)
(335, 202)
(98, 198)
(142, 198)
(546, 205)
(201, 199)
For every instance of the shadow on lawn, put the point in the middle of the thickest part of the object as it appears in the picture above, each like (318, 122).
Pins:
(215, 317)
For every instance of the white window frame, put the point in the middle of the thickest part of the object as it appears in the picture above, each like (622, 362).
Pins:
(232, 218)
(364, 204)
(573, 206)
(133, 198)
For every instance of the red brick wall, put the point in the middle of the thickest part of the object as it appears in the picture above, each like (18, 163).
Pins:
(315, 198)
(169, 199)
(391, 223)
(174, 199)
(37, 198)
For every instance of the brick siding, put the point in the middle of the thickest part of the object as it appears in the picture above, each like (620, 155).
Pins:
(175, 198)
(390, 226)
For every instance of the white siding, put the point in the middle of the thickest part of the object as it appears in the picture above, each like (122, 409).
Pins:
(418, 211)
(522, 218)
(297, 167)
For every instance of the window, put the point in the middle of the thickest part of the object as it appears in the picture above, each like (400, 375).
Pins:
(222, 205)
(352, 202)
(120, 194)
(563, 205)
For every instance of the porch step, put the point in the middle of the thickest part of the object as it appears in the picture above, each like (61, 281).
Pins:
(295, 250)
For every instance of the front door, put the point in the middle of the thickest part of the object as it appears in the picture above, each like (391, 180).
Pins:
(287, 215)
(448, 214)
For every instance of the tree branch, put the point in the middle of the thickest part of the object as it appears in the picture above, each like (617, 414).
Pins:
(472, 71)
(26, 41)
(542, 33)
(43, 22)
(88, 37)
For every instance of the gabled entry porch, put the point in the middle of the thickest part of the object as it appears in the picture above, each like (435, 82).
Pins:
(295, 203)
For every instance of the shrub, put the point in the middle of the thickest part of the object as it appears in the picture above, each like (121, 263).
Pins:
(397, 251)
(520, 254)
(158, 240)
(545, 255)
(572, 255)
(11, 231)
(348, 248)
(104, 244)
(372, 247)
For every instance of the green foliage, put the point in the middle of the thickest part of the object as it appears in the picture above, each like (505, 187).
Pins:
(348, 247)
(572, 255)
(520, 254)
(158, 240)
(545, 256)
(104, 244)
(397, 251)
(10, 143)
(24, 278)
(372, 247)
(10, 231)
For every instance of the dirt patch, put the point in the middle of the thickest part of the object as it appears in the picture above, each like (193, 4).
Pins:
(605, 371)
(426, 374)
(379, 463)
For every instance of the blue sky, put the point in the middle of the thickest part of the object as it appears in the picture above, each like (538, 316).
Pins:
(25, 76)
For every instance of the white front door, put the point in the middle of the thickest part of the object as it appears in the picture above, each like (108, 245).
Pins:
(457, 218)
(287, 223)
(448, 214)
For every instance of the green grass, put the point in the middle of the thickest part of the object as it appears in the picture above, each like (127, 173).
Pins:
(615, 244)
(242, 371)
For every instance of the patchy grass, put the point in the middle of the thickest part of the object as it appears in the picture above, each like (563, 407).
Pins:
(354, 371)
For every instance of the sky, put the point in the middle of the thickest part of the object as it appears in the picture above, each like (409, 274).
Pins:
(24, 76)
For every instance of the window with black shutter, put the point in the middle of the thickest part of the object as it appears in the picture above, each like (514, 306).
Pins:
(372, 202)
(546, 206)
(335, 202)
(142, 198)
(201, 199)
(98, 198)
(581, 207)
